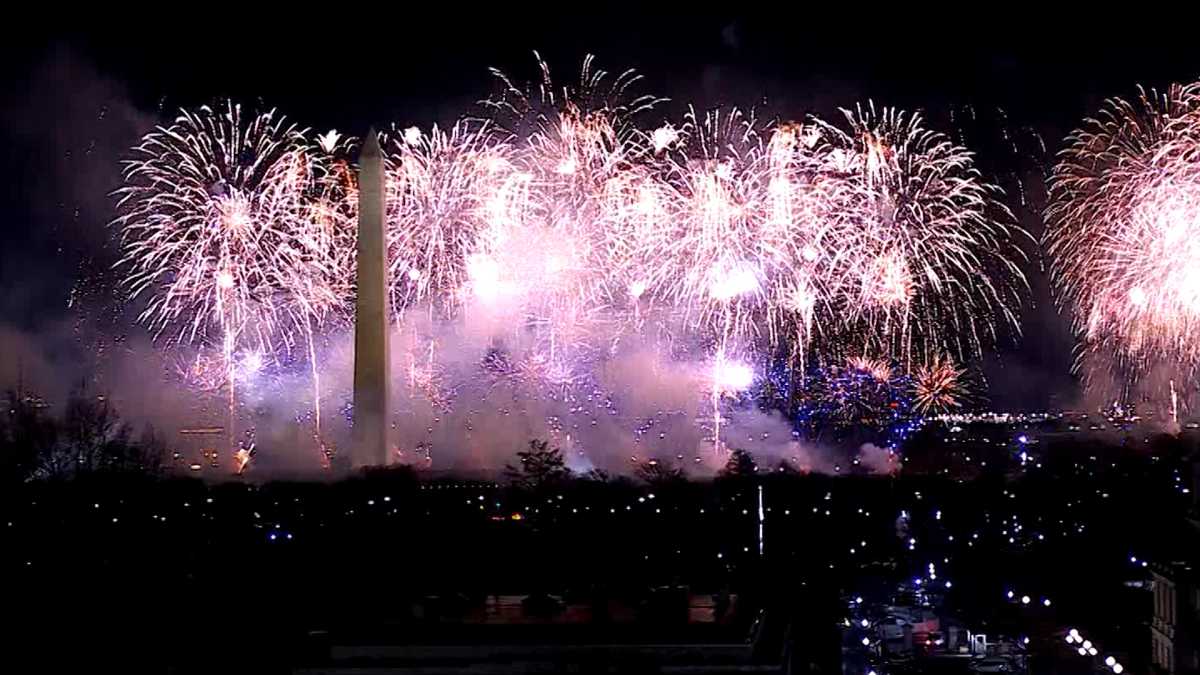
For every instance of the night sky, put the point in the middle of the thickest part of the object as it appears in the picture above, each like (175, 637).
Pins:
(72, 103)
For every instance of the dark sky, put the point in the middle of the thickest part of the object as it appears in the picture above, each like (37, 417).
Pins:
(72, 102)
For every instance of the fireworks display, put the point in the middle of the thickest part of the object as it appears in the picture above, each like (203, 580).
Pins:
(938, 386)
(864, 400)
(211, 216)
(933, 254)
(1123, 227)
(567, 226)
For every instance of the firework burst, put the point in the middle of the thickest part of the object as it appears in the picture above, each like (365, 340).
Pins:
(933, 262)
(563, 227)
(938, 386)
(440, 187)
(208, 215)
(1123, 231)
(216, 233)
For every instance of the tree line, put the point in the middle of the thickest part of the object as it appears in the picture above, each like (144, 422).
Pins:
(87, 438)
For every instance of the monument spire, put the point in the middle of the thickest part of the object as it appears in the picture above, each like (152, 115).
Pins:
(371, 359)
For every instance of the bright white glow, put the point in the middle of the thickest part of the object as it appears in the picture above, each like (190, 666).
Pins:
(328, 140)
(1137, 296)
(732, 376)
(485, 277)
(731, 283)
(252, 363)
(664, 136)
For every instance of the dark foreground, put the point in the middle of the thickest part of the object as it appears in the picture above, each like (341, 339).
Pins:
(389, 571)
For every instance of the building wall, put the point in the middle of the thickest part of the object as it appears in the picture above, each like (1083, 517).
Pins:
(1176, 619)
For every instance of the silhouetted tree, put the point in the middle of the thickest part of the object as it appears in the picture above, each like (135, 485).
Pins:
(739, 465)
(541, 466)
(786, 468)
(92, 439)
(26, 435)
(659, 474)
(151, 452)
(596, 476)
(89, 439)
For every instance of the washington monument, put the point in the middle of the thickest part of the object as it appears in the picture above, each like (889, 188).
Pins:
(370, 312)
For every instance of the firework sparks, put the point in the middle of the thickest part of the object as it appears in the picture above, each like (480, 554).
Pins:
(933, 263)
(439, 188)
(242, 458)
(569, 228)
(938, 387)
(1123, 231)
(208, 218)
(214, 231)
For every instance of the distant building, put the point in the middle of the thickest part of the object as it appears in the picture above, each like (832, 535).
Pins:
(197, 448)
(1175, 627)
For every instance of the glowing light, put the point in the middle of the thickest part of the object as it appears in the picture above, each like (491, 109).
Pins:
(732, 376)
(731, 283)
(663, 137)
(328, 141)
